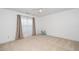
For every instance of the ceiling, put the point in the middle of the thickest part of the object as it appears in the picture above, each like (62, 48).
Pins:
(36, 11)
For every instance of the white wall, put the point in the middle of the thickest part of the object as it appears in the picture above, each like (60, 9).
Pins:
(63, 24)
(8, 25)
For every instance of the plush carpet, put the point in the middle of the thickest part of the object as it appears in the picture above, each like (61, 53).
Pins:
(41, 43)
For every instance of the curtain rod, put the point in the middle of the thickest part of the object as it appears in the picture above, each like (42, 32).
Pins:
(26, 15)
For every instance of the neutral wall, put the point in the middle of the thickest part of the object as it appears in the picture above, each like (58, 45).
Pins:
(64, 24)
(8, 25)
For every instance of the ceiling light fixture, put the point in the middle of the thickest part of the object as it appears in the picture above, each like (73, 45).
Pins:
(40, 10)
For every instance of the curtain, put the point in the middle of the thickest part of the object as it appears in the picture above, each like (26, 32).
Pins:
(19, 34)
(33, 27)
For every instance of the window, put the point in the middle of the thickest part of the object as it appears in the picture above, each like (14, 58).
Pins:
(26, 25)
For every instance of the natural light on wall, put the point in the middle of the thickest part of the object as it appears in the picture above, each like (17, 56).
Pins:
(26, 25)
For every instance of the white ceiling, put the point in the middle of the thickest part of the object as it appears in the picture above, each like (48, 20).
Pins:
(35, 11)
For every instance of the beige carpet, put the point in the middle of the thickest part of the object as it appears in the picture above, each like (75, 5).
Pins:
(41, 43)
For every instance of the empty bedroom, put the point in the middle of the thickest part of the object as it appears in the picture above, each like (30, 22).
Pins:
(39, 29)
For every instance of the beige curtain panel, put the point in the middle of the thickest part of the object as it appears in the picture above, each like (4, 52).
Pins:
(33, 27)
(19, 34)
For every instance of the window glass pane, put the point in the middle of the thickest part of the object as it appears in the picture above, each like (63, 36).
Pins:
(26, 26)
(29, 22)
